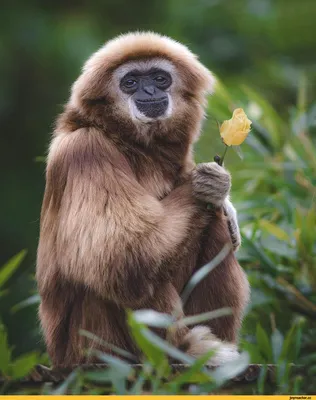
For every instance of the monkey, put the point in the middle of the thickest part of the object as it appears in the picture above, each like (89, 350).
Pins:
(124, 220)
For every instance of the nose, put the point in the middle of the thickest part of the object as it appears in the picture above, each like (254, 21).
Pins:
(149, 89)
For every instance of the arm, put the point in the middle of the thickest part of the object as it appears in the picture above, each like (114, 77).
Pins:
(99, 227)
(231, 215)
(211, 184)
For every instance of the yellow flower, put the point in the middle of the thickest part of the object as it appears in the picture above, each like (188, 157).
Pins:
(235, 130)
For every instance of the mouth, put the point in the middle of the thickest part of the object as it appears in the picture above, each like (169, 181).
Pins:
(152, 108)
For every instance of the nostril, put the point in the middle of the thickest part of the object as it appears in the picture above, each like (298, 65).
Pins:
(149, 89)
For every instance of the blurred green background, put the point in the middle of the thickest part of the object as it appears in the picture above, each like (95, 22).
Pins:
(264, 54)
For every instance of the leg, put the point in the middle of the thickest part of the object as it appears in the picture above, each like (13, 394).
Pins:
(197, 341)
(68, 308)
(54, 313)
(226, 286)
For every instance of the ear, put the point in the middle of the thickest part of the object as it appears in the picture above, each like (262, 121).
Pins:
(208, 80)
(211, 83)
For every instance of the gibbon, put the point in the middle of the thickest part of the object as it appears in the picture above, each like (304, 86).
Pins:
(124, 221)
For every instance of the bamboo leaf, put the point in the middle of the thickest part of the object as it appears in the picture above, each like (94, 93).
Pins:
(153, 318)
(277, 344)
(274, 230)
(8, 269)
(263, 343)
(204, 271)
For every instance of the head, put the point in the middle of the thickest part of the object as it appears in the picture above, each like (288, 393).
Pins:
(145, 87)
(143, 78)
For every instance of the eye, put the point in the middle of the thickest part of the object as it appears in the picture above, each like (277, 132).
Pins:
(160, 79)
(130, 83)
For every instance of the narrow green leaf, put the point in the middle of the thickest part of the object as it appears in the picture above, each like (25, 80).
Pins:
(63, 388)
(199, 275)
(263, 258)
(302, 93)
(8, 269)
(99, 376)
(277, 344)
(106, 345)
(297, 386)
(121, 367)
(292, 342)
(5, 351)
(4, 292)
(110, 377)
(196, 372)
(262, 379)
(137, 387)
(154, 354)
(153, 318)
(274, 230)
(231, 369)
(166, 347)
(197, 319)
(23, 365)
(263, 344)
(254, 353)
(30, 301)
(40, 159)
(238, 151)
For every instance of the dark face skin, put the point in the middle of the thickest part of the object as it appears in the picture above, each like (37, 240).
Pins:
(148, 90)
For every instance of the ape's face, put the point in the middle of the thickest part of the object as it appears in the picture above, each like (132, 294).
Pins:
(145, 89)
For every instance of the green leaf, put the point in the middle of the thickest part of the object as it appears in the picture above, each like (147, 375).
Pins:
(153, 318)
(292, 344)
(137, 387)
(63, 388)
(4, 292)
(277, 343)
(196, 373)
(154, 354)
(270, 118)
(41, 159)
(262, 379)
(11, 266)
(201, 273)
(121, 367)
(109, 377)
(106, 345)
(254, 352)
(231, 369)
(119, 371)
(297, 386)
(99, 376)
(263, 343)
(302, 98)
(262, 257)
(5, 351)
(166, 347)
(238, 151)
(274, 230)
(30, 301)
(23, 365)
(197, 319)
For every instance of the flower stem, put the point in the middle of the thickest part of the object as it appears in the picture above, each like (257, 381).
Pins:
(223, 156)
(219, 159)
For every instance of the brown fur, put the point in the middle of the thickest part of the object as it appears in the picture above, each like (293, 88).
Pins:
(120, 224)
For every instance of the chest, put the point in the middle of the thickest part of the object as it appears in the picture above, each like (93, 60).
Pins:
(157, 172)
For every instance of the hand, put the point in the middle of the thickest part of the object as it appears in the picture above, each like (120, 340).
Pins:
(211, 183)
